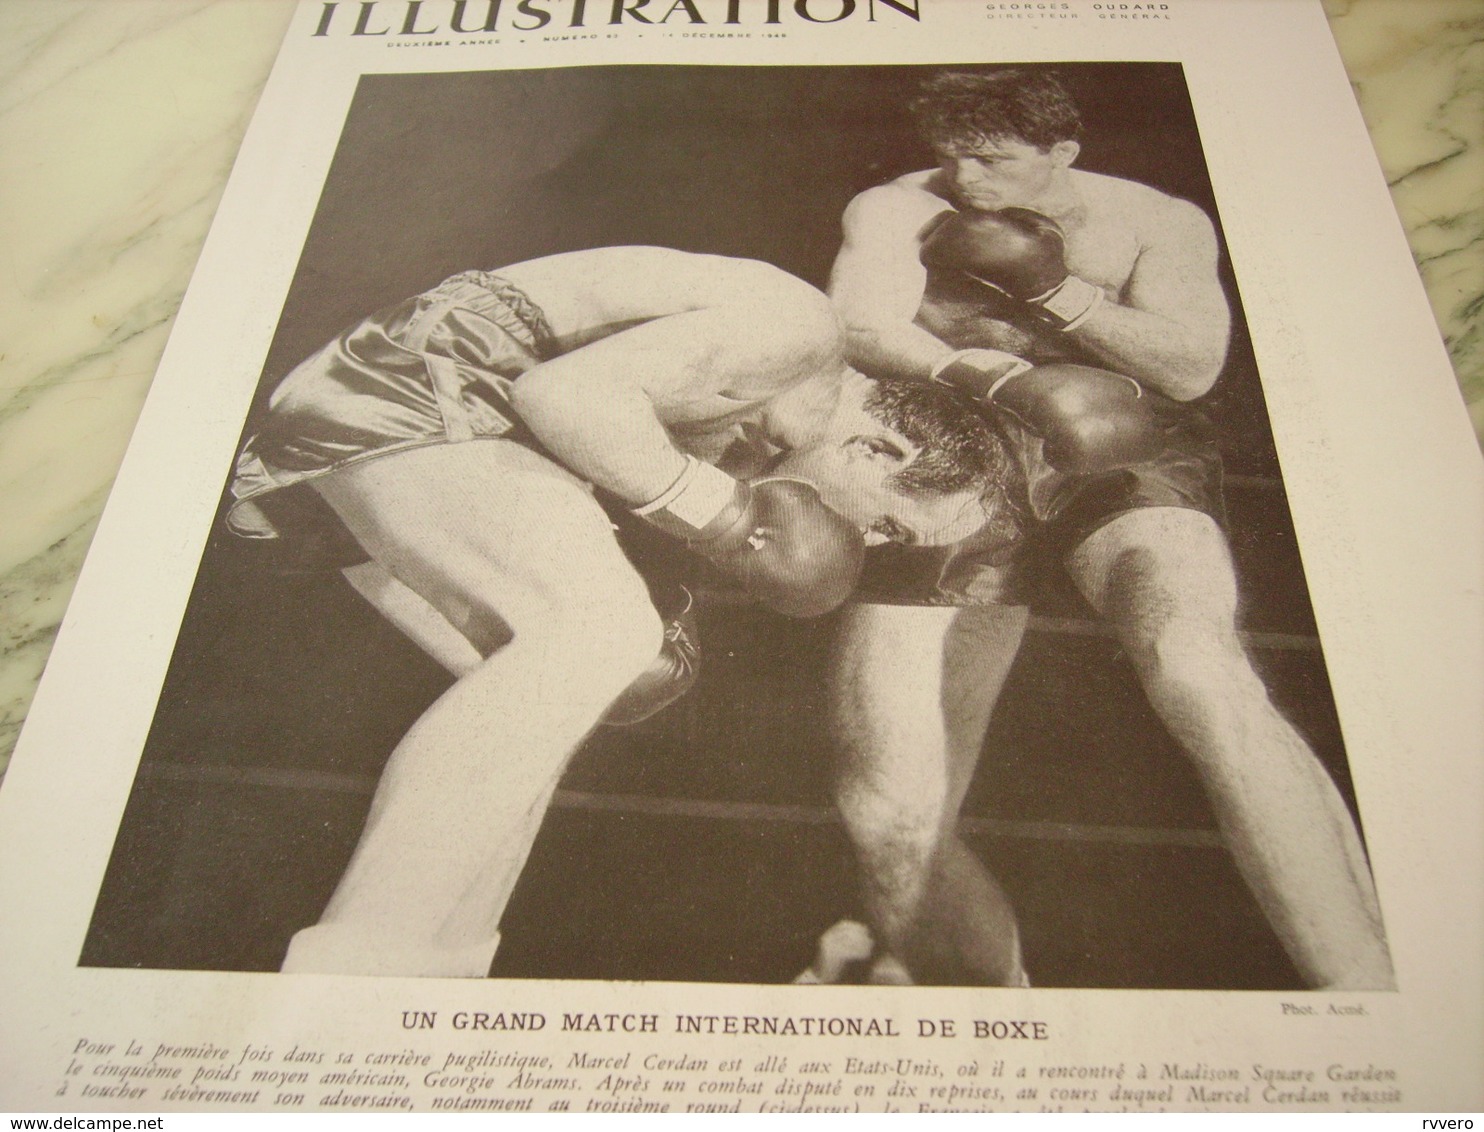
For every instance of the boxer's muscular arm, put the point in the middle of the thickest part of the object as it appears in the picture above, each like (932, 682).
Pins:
(1169, 327)
(877, 282)
(593, 411)
(602, 410)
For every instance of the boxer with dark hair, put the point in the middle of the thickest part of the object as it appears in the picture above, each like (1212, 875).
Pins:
(1082, 311)
(464, 437)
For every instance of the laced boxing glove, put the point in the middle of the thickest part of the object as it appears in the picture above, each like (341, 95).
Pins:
(774, 537)
(1017, 253)
(1091, 420)
(669, 676)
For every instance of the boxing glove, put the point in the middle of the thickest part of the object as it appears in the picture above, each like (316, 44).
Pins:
(1091, 420)
(669, 676)
(1017, 253)
(774, 537)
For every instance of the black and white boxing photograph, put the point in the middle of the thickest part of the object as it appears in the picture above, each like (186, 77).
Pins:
(756, 525)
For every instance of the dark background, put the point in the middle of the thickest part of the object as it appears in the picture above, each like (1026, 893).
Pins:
(700, 845)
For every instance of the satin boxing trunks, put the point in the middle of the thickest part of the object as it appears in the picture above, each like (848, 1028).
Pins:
(435, 369)
(1055, 513)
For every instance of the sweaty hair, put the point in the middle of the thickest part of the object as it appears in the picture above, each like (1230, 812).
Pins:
(959, 450)
(956, 108)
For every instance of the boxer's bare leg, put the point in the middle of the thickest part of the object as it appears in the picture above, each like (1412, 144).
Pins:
(516, 555)
(913, 692)
(419, 622)
(1163, 578)
(966, 906)
(891, 776)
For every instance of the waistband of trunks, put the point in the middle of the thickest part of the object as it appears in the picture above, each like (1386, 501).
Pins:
(521, 318)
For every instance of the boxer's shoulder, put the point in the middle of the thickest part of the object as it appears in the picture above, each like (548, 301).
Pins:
(1116, 202)
(912, 198)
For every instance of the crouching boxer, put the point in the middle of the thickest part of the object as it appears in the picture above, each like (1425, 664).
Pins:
(465, 436)
(1082, 311)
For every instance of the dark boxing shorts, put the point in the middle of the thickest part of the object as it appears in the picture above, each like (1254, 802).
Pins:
(1056, 513)
(435, 369)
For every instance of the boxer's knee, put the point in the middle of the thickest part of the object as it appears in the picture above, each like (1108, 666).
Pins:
(602, 625)
(891, 801)
(893, 828)
(1164, 581)
(622, 637)
(1201, 682)
(1191, 660)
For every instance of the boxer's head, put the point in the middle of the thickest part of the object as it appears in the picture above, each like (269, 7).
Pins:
(1002, 137)
(907, 462)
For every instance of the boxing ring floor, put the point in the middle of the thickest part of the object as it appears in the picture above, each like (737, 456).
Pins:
(701, 845)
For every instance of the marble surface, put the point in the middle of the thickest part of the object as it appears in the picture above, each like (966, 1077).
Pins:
(119, 120)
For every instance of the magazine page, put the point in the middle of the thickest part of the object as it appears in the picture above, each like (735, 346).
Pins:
(742, 555)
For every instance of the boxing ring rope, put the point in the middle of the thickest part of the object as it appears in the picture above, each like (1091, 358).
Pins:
(688, 808)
